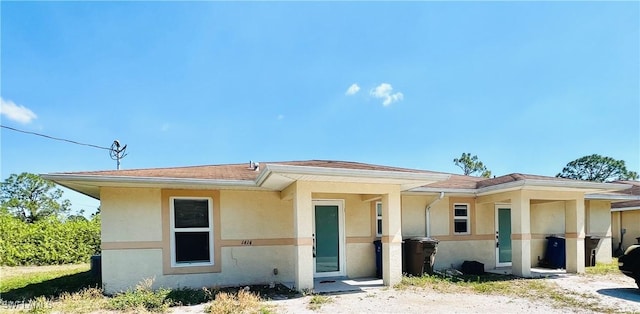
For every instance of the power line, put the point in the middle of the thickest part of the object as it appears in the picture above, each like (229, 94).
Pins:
(55, 138)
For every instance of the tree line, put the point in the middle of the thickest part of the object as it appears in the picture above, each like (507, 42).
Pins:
(593, 167)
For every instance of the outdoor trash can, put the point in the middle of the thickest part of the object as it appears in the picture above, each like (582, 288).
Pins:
(96, 266)
(556, 255)
(378, 246)
(590, 245)
(420, 255)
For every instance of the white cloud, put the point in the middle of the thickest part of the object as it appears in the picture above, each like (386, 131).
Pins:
(15, 112)
(384, 92)
(353, 89)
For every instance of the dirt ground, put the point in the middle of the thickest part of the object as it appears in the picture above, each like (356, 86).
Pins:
(615, 292)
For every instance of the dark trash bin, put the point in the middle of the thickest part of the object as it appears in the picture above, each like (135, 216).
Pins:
(638, 239)
(472, 268)
(590, 245)
(378, 246)
(96, 266)
(420, 255)
(556, 253)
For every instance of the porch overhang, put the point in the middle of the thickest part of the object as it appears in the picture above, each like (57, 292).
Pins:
(278, 177)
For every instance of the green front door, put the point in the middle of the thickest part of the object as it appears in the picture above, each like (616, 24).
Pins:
(327, 240)
(503, 236)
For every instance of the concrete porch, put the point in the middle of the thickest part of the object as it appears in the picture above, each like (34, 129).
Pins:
(342, 284)
(536, 272)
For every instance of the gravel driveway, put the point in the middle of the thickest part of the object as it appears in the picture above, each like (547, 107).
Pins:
(588, 294)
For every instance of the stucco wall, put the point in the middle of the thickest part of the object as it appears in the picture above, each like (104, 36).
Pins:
(452, 249)
(132, 239)
(130, 214)
(255, 215)
(599, 225)
(630, 220)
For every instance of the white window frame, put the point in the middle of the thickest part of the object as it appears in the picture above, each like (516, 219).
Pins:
(173, 230)
(466, 218)
(378, 218)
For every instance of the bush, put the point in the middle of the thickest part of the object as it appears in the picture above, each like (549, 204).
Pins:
(142, 298)
(48, 242)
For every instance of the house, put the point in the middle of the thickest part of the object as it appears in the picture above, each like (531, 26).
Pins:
(625, 215)
(296, 221)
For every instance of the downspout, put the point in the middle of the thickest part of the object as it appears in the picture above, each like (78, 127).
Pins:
(427, 215)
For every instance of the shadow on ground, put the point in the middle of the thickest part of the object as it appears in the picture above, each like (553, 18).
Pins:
(52, 288)
(630, 294)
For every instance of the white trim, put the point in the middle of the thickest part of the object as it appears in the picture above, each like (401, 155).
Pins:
(614, 197)
(147, 180)
(341, 237)
(378, 218)
(467, 218)
(497, 225)
(624, 209)
(172, 231)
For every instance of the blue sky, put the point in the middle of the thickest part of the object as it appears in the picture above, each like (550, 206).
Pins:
(526, 86)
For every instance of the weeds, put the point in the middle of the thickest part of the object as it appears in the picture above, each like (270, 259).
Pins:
(604, 269)
(142, 298)
(533, 289)
(241, 302)
(316, 302)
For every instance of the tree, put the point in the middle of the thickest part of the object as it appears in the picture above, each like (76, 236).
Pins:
(597, 168)
(470, 165)
(30, 198)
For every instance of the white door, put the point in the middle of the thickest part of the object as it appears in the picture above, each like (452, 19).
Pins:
(328, 238)
(503, 235)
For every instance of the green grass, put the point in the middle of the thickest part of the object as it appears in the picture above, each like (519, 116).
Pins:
(72, 289)
(604, 269)
(25, 283)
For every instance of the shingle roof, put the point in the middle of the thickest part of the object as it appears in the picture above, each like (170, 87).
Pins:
(626, 204)
(244, 172)
(236, 171)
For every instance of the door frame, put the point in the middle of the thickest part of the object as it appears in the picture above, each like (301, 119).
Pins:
(341, 237)
(497, 207)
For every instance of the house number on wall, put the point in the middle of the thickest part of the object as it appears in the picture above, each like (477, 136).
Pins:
(246, 242)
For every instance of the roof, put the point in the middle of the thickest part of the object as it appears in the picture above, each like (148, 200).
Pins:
(278, 175)
(633, 191)
(236, 171)
(272, 176)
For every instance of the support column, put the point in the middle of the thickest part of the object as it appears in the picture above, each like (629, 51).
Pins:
(303, 235)
(521, 234)
(574, 218)
(391, 238)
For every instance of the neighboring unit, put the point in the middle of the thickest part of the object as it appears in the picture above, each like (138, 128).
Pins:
(292, 222)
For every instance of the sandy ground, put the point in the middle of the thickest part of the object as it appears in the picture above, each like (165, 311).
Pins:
(615, 292)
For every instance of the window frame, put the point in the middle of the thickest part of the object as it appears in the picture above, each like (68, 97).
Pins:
(466, 218)
(209, 229)
(378, 218)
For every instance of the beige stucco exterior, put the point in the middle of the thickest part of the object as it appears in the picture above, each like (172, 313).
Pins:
(629, 220)
(267, 236)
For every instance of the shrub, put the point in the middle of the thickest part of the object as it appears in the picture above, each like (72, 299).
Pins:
(48, 242)
(241, 302)
(143, 297)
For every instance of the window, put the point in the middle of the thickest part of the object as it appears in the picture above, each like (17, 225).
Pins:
(379, 219)
(461, 218)
(191, 231)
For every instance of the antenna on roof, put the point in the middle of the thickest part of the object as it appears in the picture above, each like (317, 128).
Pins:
(116, 152)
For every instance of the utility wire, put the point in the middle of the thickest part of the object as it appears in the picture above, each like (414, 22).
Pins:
(55, 138)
